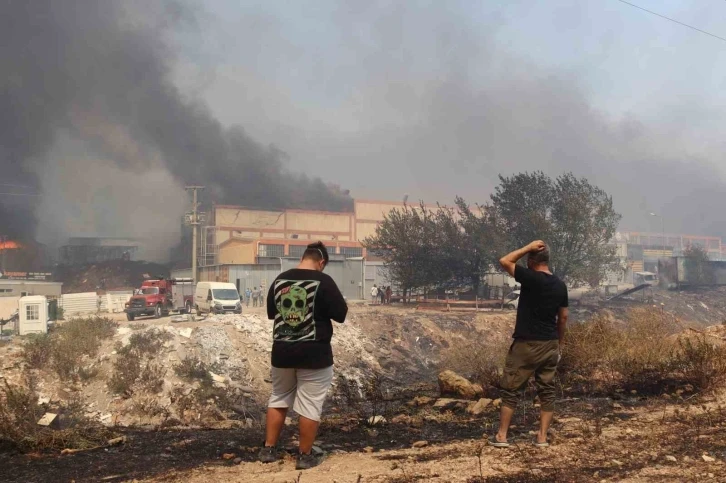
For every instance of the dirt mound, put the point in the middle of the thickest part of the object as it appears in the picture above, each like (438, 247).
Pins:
(105, 276)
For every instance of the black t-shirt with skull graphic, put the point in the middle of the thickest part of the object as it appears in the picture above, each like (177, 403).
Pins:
(302, 303)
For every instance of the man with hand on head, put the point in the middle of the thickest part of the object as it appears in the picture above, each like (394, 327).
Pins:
(302, 302)
(538, 337)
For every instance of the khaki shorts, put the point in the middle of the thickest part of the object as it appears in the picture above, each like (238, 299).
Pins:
(525, 358)
(303, 389)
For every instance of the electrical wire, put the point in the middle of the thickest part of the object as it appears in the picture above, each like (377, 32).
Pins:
(673, 20)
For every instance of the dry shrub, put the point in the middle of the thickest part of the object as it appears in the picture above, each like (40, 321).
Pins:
(480, 361)
(134, 367)
(20, 413)
(701, 361)
(639, 352)
(192, 368)
(66, 347)
(37, 350)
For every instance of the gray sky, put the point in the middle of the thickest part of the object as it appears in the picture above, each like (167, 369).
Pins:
(436, 99)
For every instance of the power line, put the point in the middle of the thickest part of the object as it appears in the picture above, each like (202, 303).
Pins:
(673, 20)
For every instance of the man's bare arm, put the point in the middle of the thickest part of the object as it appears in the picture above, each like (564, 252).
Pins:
(562, 314)
(509, 261)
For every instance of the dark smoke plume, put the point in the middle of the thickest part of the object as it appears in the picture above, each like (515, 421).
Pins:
(86, 88)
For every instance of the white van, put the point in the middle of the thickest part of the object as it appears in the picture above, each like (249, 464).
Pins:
(217, 298)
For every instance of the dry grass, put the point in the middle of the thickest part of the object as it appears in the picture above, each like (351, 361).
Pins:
(640, 353)
(480, 361)
(20, 413)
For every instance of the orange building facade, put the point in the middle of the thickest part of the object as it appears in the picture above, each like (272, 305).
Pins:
(240, 235)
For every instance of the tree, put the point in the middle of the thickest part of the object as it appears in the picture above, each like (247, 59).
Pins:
(407, 240)
(576, 219)
(698, 266)
(479, 243)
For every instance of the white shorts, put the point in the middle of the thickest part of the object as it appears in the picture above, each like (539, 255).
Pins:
(303, 389)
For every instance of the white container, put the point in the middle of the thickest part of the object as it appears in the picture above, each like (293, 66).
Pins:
(33, 316)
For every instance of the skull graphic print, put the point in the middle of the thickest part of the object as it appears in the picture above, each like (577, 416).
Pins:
(295, 302)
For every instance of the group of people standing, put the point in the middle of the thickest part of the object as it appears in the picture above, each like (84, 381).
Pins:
(381, 295)
(255, 295)
(303, 301)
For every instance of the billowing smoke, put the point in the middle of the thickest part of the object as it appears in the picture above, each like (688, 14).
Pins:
(432, 100)
(91, 120)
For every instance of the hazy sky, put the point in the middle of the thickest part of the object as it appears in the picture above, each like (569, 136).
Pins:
(387, 98)
(107, 106)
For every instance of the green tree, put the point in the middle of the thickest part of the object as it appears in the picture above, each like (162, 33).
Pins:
(407, 240)
(698, 266)
(575, 218)
(476, 243)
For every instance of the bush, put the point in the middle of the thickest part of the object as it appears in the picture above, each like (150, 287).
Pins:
(192, 368)
(37, 350)
(65, 348)
(701, 361)
(126, 370)
(134, 366)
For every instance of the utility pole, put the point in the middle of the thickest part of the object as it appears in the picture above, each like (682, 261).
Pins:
(194, 218)
(3, 241)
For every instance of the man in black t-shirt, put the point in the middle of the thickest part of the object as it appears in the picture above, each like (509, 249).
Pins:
(302, 301)
(538, 335)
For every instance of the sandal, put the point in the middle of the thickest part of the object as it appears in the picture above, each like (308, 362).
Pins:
(546, 444)
(498, 444)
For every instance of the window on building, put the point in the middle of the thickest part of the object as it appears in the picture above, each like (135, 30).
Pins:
(5, 290)
(297, 250)
(32, 312)
(271, 251)
(23, 294)
(351, 252)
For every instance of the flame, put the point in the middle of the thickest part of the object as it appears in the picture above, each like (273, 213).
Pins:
(9, 245)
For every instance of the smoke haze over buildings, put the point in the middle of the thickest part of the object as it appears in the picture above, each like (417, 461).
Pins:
(107, 110)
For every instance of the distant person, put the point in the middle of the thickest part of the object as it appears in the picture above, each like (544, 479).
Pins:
(248, 296)
(538, 337)
(302, 302)
(260, 297)
(382, 295)
(389, 292)
(255, 295)
(374, 294)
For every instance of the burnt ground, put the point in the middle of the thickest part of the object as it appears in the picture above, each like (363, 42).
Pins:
(149, 454)
(168, 455)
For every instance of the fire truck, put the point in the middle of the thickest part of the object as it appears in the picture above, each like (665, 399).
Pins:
(162, 296)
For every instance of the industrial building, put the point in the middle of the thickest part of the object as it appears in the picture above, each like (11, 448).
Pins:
(249, 247)
(23, 288)
(239, 235)
(83, 250)
(641, 251)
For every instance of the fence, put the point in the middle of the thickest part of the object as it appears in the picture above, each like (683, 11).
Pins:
(114, 302)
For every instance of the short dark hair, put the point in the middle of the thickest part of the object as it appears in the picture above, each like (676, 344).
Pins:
(316, 251)
(541, 256)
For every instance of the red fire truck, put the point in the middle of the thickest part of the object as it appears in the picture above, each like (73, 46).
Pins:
(161, 297)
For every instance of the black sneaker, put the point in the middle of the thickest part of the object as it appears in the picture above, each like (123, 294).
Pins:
(269, 454)
(310, 460)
